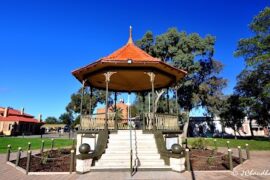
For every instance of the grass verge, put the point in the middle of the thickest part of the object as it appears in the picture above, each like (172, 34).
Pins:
(35, 143)
(258, 145)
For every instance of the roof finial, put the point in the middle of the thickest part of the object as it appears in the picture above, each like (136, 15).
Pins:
(130, 35)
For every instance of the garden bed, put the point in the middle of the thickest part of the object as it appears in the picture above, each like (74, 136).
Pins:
(202, 160)
(48, 161)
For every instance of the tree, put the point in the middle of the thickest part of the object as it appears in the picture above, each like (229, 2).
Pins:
(118, 112)
(191, 52)
(51, 120)
(66, 118)
(74, 106)
(254, 82)
(256, 49)
(232, 114)
(254, 87)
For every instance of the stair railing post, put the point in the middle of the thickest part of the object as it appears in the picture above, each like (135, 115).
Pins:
(130, 136)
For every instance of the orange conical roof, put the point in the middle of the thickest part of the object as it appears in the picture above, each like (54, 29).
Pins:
(129, 76)
(130, 51)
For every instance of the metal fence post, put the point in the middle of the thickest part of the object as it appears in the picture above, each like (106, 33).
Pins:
(230, 159)
(18, 156)
(187, 160)
(8, 152)
(247, 151)
(240, 154)
(28, 161)
(71, 161)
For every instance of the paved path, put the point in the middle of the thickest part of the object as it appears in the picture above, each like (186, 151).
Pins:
(260, 161)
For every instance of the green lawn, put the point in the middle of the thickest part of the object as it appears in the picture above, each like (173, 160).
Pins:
(260, 144)
(35, 143)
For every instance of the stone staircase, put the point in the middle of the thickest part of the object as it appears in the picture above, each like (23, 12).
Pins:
(117, 154)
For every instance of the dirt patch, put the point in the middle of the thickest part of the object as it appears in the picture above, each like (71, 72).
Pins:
(49, 161)
(202, 160)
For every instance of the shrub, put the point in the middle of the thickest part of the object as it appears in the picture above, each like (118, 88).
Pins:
(44, 158)
(211, 160)
(199, 144)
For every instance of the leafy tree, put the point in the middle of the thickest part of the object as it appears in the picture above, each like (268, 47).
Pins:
(51, 120)
(133, 111)
(75, 122)
(74, 106)
(193, 53)
(254, 82)
(254, 88)
(66, 118)
(73, 109)
(118, 112)
(232, 113)
(256, 49)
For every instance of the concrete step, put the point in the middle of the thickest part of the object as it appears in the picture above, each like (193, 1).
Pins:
(111, 144)
(117, 154)
(128, 131)
(140, 156)
(125, 168)
(133, 138)
(119, 163)
(126, 152)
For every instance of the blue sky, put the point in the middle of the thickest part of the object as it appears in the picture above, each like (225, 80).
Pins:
(41, 42)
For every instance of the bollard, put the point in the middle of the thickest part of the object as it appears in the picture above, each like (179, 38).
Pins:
(42, 147)
(71, 161)
(240, 154)
(28, 161)
(52, 145)
(230, 159)
(228, 144)
(247, 151)
(215, 144)
(8, 152)
(29, 146)
(73, 143)
(187, 160)
(18, 156)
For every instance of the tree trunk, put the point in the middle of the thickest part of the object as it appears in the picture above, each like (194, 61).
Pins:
(250, 128)
(185, 128)
(239, 133)
(159, 94)
(235, 129)
(235, 134)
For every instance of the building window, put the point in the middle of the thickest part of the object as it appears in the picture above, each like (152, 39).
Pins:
(9, 126)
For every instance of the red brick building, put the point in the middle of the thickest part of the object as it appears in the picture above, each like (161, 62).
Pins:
(17, 122)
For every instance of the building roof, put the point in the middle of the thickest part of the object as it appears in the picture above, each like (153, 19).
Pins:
(14, 112)
(131, 65)
(129, 51)
(16, 115)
